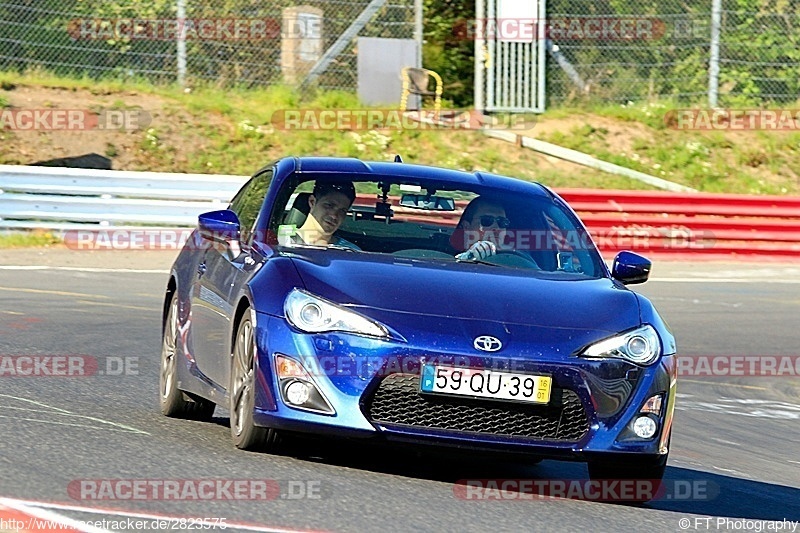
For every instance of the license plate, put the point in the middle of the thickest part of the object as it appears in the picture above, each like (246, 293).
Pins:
(482, 383)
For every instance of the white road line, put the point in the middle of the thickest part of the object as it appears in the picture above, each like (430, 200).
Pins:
(55, 423)
(767, 410)
(64, 412)
(683, 380)
(49, 516)
(695, 301)
(730, 471)
(723, 441)
(152, 516)
(119, 306)
(84, 269)
(760, 281)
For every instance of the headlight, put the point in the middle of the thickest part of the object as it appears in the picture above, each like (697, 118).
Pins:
(313, 314)
(640, 346)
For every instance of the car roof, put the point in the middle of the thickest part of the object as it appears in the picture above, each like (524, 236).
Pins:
(338, 166)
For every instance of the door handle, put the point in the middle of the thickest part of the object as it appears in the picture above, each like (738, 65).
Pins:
(201, 269)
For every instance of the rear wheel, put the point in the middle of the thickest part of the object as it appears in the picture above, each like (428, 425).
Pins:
(246, 435)
(174, 401)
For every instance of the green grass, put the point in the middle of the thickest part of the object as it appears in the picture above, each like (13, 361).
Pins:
(749, 162)
(9, 81)
(27, 240)
(206, 129)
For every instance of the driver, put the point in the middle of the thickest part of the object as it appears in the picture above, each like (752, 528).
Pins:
(328, 206)
(483, 221)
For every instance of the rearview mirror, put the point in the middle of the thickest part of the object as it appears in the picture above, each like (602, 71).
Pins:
(430, 202)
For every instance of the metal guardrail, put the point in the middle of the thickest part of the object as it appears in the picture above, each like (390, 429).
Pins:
(656, 223)
(72, 198)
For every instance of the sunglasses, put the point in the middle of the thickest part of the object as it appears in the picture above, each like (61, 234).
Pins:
(488, 220)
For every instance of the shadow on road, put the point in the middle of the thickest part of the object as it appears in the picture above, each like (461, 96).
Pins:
(685, 490)
(732, 497)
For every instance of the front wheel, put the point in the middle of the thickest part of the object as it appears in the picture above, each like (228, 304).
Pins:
(246, 435)
(174, 401)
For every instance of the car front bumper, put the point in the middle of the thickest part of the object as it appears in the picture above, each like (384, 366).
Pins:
(373, 388)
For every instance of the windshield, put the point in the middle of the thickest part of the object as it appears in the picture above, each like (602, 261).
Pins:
(429, 221)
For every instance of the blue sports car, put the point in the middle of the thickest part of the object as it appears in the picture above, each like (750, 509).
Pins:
(385, 300)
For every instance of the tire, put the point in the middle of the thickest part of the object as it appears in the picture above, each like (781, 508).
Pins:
(174, 402)
(245, 434)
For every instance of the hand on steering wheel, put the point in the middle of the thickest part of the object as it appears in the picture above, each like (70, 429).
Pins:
(478, 251)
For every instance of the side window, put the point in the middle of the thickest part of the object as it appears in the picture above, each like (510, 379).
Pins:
(574, 249)
(248, 201)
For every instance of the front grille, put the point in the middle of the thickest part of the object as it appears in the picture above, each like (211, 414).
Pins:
(398, 401)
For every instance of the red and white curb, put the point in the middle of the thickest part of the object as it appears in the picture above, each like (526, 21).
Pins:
(19, 517)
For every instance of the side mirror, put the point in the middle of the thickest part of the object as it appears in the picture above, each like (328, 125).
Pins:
(223, 227)
(219, 225)
(630, 268)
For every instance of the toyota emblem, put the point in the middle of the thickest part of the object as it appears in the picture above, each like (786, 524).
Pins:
(487, 343)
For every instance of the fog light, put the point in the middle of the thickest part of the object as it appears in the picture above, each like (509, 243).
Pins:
(645, 427)
(298, 389)
(298, 392)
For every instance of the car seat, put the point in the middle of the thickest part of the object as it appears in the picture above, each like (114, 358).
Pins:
(299, 212)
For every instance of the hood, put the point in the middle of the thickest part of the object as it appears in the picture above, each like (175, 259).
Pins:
(466, 291)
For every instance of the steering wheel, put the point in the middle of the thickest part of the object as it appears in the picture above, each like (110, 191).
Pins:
(513, 258)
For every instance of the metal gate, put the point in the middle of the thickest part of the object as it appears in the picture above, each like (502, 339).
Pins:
(510, 55)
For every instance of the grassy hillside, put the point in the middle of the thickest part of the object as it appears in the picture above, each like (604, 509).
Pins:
(209, 130)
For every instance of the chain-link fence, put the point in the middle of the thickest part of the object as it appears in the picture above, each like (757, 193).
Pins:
(723, 52)
(606, 51)
(230, 42)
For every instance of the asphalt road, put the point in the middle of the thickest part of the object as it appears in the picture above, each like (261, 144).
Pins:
(734, 458)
